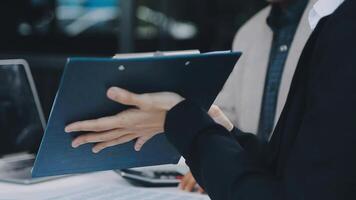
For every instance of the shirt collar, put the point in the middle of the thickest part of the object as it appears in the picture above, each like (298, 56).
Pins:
(322, 8)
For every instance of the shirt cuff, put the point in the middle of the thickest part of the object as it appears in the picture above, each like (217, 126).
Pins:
(236, 131)
(184, 122)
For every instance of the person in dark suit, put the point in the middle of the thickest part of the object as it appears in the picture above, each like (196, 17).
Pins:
(312, 152)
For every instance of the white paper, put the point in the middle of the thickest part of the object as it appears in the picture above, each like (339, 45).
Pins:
(96, 186)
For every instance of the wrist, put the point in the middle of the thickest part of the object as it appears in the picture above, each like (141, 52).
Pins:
(175, 100)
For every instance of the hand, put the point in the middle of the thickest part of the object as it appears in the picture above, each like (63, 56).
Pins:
(142, 122)
(189, 184)
(219, 117)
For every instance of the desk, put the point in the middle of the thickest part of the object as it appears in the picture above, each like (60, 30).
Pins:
(39, 191)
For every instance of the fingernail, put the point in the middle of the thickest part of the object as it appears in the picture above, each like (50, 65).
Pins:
(95, 150)
(137, 148)
(67, 130)
(113, 92)
(75, 144)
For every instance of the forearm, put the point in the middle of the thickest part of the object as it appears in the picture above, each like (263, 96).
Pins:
(252, 144)
(219, 163)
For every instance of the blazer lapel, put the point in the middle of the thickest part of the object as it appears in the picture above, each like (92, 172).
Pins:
(287, 129)
(299, 41)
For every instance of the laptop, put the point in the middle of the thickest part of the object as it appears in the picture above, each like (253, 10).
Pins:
(22, 123)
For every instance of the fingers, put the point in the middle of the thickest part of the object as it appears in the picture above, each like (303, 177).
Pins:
(190, 186)
(200, 190)
(125, 119)
(159, 101)
(94, 125)
(141, 141)
(184, 181)
(219, 117)
(188, 183)
(103, 145)
(214, 111)
(98, 137)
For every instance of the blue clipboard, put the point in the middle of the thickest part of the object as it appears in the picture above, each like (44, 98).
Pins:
(82, 96)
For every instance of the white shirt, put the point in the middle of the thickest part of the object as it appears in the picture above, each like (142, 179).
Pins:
(322, 8)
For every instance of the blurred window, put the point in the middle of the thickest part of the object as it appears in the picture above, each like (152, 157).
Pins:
(75, 17)
(92, 27)
(204, 24)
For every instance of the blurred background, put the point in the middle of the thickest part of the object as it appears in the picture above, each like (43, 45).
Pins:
(47, 32)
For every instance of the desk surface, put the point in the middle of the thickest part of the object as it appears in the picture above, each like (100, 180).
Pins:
(38, 191)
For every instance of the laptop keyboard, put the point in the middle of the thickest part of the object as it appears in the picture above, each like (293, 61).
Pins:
(15, 166)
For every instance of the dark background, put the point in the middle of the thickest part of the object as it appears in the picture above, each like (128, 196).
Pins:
(47, 32)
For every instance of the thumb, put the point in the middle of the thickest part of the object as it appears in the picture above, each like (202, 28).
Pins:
(148, 101)
(141, 141)
(219, 117)
(125, 97)
(215, 111)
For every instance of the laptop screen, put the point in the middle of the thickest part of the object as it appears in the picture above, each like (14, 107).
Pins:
(21, 121)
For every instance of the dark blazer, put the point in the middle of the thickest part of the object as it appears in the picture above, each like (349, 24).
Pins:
(312, 154)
